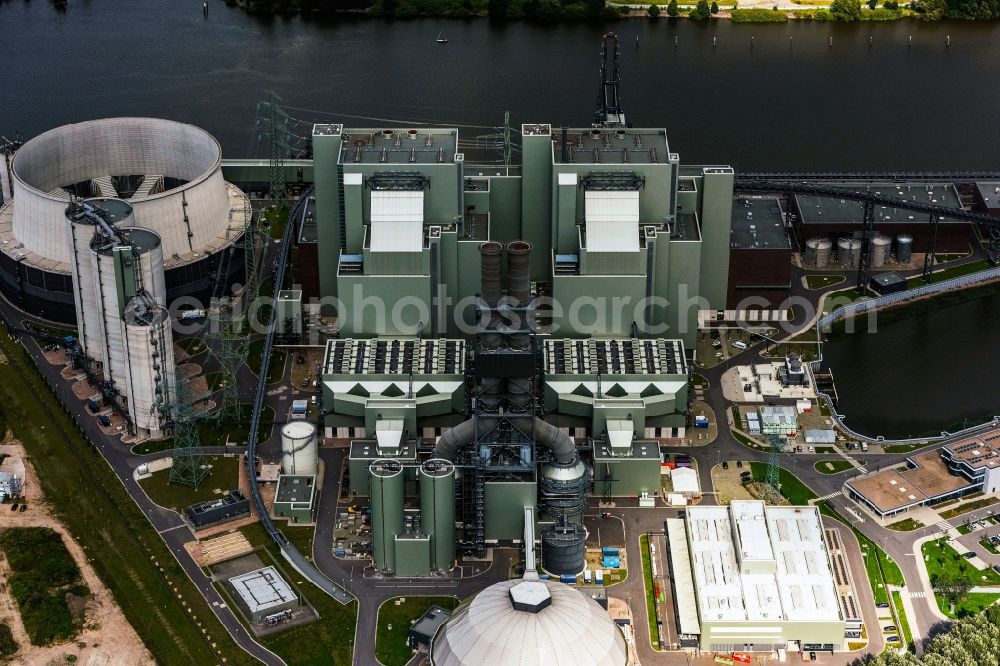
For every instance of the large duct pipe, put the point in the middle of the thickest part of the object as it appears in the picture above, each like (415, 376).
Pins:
(491, 270)
(464, 434)
(519, 271)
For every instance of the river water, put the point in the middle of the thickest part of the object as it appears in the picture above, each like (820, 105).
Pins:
(791, 102)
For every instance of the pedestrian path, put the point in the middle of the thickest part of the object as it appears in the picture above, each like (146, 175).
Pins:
(918, 595)
(944, 526)
(830, 496)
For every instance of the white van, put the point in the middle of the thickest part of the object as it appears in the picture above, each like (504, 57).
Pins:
(739, 344)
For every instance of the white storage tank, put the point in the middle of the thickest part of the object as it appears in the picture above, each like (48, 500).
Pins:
(299, 448)
(121, 268)
(818, 252)
(149, 380)
(881, 245)
(849, 251)
(81, 230)
(904, 248)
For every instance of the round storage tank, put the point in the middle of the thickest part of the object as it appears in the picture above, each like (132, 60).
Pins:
(437, 510)
(149, 378)
(81, 228)
(122, 268)
(563, 488)
(299, 448)
(386, 496)
(563, 549)
(880, 250)
(818, 252)
(904, 248)
(849, 250)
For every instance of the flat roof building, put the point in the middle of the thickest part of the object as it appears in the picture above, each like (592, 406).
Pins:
(263, 593)
(967, 465)
(295, 498)
(755, 577)
(834, 217)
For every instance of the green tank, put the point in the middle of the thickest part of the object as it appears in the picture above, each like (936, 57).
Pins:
(386, 478)
(437, 510)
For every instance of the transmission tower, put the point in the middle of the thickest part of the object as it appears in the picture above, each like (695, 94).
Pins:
(773, 477)
(189, 467)
(276, 130)
(506, 138)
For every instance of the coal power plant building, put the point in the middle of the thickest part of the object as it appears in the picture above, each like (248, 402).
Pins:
(604, 213)
(170, 174)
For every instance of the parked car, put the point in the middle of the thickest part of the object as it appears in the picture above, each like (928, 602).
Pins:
(725, 464)
(892, 639)
(739, 463)
(716, 344)
(996, 567)
(739, 344)
(882, 604)
(969, 555)
(13, 507)
(93, 407)
(104, 420)
(889, 630)
(812, 449)
(24, 507)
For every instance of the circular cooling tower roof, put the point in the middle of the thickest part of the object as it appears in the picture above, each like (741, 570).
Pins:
(170, 173)
(528, 623)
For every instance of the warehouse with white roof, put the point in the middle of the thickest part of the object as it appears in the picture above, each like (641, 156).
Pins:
(754, 577)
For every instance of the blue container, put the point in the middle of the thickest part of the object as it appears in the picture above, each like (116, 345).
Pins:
(611, 562)
(567, 578)
(608, 550)
(543, 576)
(339, 552)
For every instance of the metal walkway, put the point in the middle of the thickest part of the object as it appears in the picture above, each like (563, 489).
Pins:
(289, 551)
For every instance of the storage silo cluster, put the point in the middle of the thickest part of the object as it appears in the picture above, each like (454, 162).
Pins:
(437, 510)
(120, 296)
(818, 252)
(880, 249)
(849, 252)
(904, 248)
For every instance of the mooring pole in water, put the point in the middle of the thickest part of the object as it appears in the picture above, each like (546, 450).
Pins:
(751, 42)
(831, 41)
(713, 42)
(909, 41)
(947, 40)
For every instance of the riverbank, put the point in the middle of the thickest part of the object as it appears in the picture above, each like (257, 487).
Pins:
(547, 11)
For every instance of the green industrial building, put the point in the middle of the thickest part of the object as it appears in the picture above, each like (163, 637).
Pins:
(624, 238)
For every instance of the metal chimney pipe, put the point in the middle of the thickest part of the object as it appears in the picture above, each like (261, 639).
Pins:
(519, 271)
(565, 144)
(491, 271)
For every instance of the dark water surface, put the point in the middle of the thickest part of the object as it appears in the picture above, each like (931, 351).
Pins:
(785, 104)
(790, 103)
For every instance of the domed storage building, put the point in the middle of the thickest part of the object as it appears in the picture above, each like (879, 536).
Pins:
(528, 622)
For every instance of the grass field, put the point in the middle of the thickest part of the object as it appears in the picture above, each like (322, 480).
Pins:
(276, 367)
(647, 583)
(942, 558)
(8, 646)
(193, 346)
(904, 624)
(329, 640)
(224, 475)
(43, 577)
(906, 525)
(125, 551)
(212, 434)
(824, 466)
(390, 644)
(823, 281)
(796, 492)
(971, 506)
(948, 273)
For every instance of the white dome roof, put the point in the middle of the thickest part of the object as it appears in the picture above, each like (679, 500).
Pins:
(567, 629)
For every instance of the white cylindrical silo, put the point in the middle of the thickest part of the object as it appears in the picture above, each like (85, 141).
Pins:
(149, 364)
(849, 250)
(299, 448)
(81, 230)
